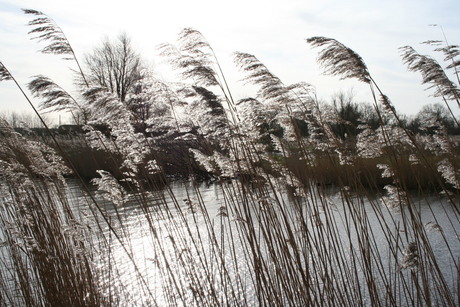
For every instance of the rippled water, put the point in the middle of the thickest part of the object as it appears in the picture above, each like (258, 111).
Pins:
(178, 246)
(155, 243)
(148, 237)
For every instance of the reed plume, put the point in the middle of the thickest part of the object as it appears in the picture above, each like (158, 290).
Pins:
(54, 97)
(279, 236)
(450, 51)
(46, 29)
(271, 89)
(432, 73)
(4, 73)
(191, 64)
(196, 60)
(339, 60)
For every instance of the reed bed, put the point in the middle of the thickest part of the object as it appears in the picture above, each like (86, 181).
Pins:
(278, 235)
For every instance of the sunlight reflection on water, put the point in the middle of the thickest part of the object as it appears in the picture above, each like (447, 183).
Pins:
(151, 243)
(148, 244)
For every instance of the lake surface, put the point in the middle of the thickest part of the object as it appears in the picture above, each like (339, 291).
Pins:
(156, 242)
(195, 245)
(148, 237)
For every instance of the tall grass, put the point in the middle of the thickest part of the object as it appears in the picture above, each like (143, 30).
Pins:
(280, 236)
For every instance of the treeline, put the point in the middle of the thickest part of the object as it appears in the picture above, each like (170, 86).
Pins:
(173, 150)
(23, 119)
(351, 115)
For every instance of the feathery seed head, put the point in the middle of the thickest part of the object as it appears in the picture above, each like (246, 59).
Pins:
(45, 29)
(4, 73)
(432, 73)
(410, 258)
(193, 41)
(271, 87)
(339, 60)
(54, 97)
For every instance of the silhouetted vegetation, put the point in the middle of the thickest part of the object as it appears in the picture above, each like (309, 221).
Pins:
(279, 236)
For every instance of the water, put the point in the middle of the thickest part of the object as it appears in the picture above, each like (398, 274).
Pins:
(150, 241)
(195, 246)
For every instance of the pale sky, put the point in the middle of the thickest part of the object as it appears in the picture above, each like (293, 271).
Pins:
(273, 31)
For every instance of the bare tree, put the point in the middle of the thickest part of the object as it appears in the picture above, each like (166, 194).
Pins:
(23, 119)
(115, 65)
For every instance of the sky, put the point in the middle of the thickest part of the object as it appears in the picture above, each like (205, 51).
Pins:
(273, 31)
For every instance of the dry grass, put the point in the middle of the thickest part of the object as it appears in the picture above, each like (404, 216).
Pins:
(279, 238)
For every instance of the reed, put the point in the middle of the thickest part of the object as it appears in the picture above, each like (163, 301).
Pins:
(302, 217)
